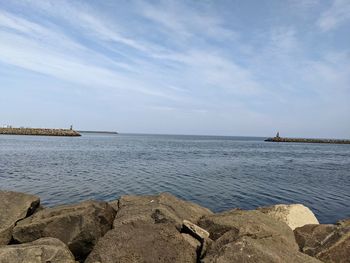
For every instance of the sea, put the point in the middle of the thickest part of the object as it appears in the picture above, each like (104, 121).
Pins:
(217, 172)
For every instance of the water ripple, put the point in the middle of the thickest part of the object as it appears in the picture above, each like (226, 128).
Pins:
(218, 172)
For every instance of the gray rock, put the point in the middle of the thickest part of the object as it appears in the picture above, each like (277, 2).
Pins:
(14, 207)
(79, 225)
(144, 243)
(206, 244)
(195, 243)
(247, 223)
(249, 236)
(230, 249)
(314, 238)
(156, 209)
(194, 230)
(43, 250)
(329, 243)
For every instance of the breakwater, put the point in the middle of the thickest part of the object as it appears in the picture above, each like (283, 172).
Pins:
(39, 132)
(162, 228)
(305, 140)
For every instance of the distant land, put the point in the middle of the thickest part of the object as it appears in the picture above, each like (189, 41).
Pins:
(9, 130)
(39, 132)
(277, 138)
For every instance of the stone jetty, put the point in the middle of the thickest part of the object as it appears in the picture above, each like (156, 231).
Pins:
(305, 140)
(39, 132)
(163, 228)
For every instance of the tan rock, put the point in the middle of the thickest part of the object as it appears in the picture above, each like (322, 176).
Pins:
(144, 243)
(294, 215)
(270, 249)
(345, 223)
(194, 230)
(14, 206)
(156, 209)
(247, 223)
(207, 243)
(192, 241)
(39, 251)
(329, 243)
(78, 225)
(249, 236)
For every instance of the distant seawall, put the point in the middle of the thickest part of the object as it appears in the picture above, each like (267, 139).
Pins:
(305, 140)
(39, 132)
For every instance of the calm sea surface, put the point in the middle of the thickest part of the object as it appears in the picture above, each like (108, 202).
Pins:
(217, 172)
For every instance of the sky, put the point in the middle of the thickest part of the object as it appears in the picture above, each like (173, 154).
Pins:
(223, 67)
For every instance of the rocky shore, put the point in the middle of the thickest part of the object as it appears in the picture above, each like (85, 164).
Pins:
(39, 132)
(163, 228)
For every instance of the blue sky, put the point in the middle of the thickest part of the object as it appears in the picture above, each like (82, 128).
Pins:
(177, 67)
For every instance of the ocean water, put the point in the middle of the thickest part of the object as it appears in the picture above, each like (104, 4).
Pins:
(217, 172)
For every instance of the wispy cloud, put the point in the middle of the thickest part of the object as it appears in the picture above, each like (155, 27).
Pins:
(337, 14)
(190, 24)
(304, 5)
(211, 67)
(190, 58)
(49, 51)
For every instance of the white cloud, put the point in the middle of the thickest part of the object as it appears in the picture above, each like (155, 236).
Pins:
(181, 22)
(336, 15)
(89, 22)
(304, 5)
(212, 68)
(184, 60)
(74, 65)
(329, 76)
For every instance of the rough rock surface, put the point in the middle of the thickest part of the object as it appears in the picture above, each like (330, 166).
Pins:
(249, 236)
(143, 243)
(14, 206)
(194, 230)
(162, 208)
(329, 243)
(294, 215)
(195, 243)
(229, 249)
(344, 223)
(43, 250)
(79, 225)
(247, 223)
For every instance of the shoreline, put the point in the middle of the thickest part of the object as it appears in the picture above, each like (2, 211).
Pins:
(162, 228)
(39, 132)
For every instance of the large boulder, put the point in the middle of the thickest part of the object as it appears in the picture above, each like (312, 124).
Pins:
(294, 215)
(145, 243)
(14, 206)
(43, 250)
(312, 239)
(230, 249)
(155, 209)
(79, 225)
(247, 223)
(329, 243)
(251, 231)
